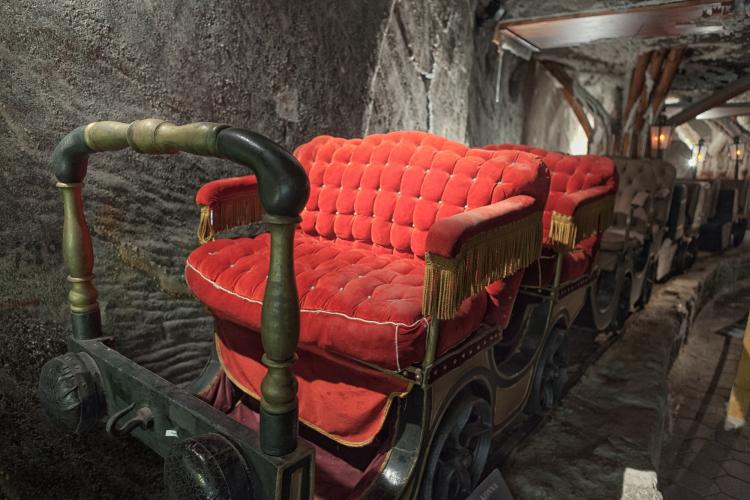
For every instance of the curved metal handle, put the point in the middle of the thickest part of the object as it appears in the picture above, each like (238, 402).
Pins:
(142, 419)
(282, 181)
(283, 188)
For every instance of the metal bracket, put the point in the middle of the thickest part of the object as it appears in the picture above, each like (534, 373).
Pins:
(142, 419)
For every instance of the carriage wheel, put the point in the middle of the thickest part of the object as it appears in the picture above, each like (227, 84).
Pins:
(206, 467)
(648, 284)
(459, 450)
(70, 391)
(550, 374)
(623, 304)
(601, 302)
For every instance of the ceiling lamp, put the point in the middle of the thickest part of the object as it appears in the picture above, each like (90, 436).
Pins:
(698, 157)
(738, 154)
(661, 136)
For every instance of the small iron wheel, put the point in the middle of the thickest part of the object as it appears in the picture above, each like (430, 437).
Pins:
(459, 450)
(623, 304)
(206, 467)
(70, 391)
(601, 302)
(648, 284)
(550, 374)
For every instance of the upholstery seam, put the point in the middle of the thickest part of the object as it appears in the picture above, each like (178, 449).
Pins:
(313, 311)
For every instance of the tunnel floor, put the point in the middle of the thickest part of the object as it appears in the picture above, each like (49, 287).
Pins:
(37, 460)
(700, 460)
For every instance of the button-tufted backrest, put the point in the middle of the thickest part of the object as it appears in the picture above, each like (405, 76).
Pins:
(386, 190)
(568, 173)
(727, 206)
(701, 204)
(677, 212)
(655, 177)
(743, 196)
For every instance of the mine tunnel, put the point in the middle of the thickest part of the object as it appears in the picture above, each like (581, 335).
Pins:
(382, 249)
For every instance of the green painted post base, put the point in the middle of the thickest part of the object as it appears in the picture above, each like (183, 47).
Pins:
(275, 438)
(86, 325)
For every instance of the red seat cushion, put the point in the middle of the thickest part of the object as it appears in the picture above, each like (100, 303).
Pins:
(353, 301)
(575, 264)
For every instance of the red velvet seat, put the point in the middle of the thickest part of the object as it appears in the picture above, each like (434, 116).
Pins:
(353, 301)
(399, 228)
(577, 184)
(576, 263)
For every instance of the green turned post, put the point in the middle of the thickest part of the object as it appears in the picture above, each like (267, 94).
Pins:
(79, 260)
(284, 189)
(279, 335)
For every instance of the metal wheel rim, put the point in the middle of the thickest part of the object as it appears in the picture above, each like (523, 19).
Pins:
(459, 451)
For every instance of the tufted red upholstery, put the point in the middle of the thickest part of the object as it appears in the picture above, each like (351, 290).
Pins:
(574, 180)
(575, 264)
(353, 302)
(387, 190)
(376, 206)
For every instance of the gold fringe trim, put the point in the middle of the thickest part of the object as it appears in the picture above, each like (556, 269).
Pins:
(228, 213)
(484, 259)
(592, 218)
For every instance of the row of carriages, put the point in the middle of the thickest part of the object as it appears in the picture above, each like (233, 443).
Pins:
(429, 290)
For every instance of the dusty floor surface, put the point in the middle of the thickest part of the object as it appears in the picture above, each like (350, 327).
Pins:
(700, 459)
(37, 461)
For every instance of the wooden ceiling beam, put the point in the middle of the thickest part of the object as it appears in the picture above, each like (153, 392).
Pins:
(566, 87)
(718, 98)
(637, 80)
(669, 71)
(654, 71)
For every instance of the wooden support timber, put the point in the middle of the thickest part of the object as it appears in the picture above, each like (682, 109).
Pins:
(566, 87)
(634, 91)
(644, 103)
(717, 98)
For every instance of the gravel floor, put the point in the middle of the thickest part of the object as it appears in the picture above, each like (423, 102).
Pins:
(700, 459)
(37, 460)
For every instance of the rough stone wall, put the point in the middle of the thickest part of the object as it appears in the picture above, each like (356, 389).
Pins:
(285, 71)
(551, 124)
(718, 149)
(437, 72)
(342, 68)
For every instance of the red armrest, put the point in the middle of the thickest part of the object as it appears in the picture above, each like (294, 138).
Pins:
(446, 236)
(580, 214)
(468, 251)
(216, 191)
(226, 203)
(569, 203)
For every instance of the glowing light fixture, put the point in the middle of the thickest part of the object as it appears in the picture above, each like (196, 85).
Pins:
(738, 153)
(697, 157)
(661, 136)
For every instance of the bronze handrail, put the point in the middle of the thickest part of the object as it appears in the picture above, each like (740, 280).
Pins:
(283, 187)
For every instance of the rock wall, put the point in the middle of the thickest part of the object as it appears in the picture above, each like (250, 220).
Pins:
(437, 71)
(551, 124)
(342, 68)
(287, 72)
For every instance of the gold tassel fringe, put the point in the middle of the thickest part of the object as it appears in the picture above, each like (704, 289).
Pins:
(484, 259)
(228, 213)
(587, 220)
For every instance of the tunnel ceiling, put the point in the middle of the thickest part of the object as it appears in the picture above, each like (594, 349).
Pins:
(709, 62)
